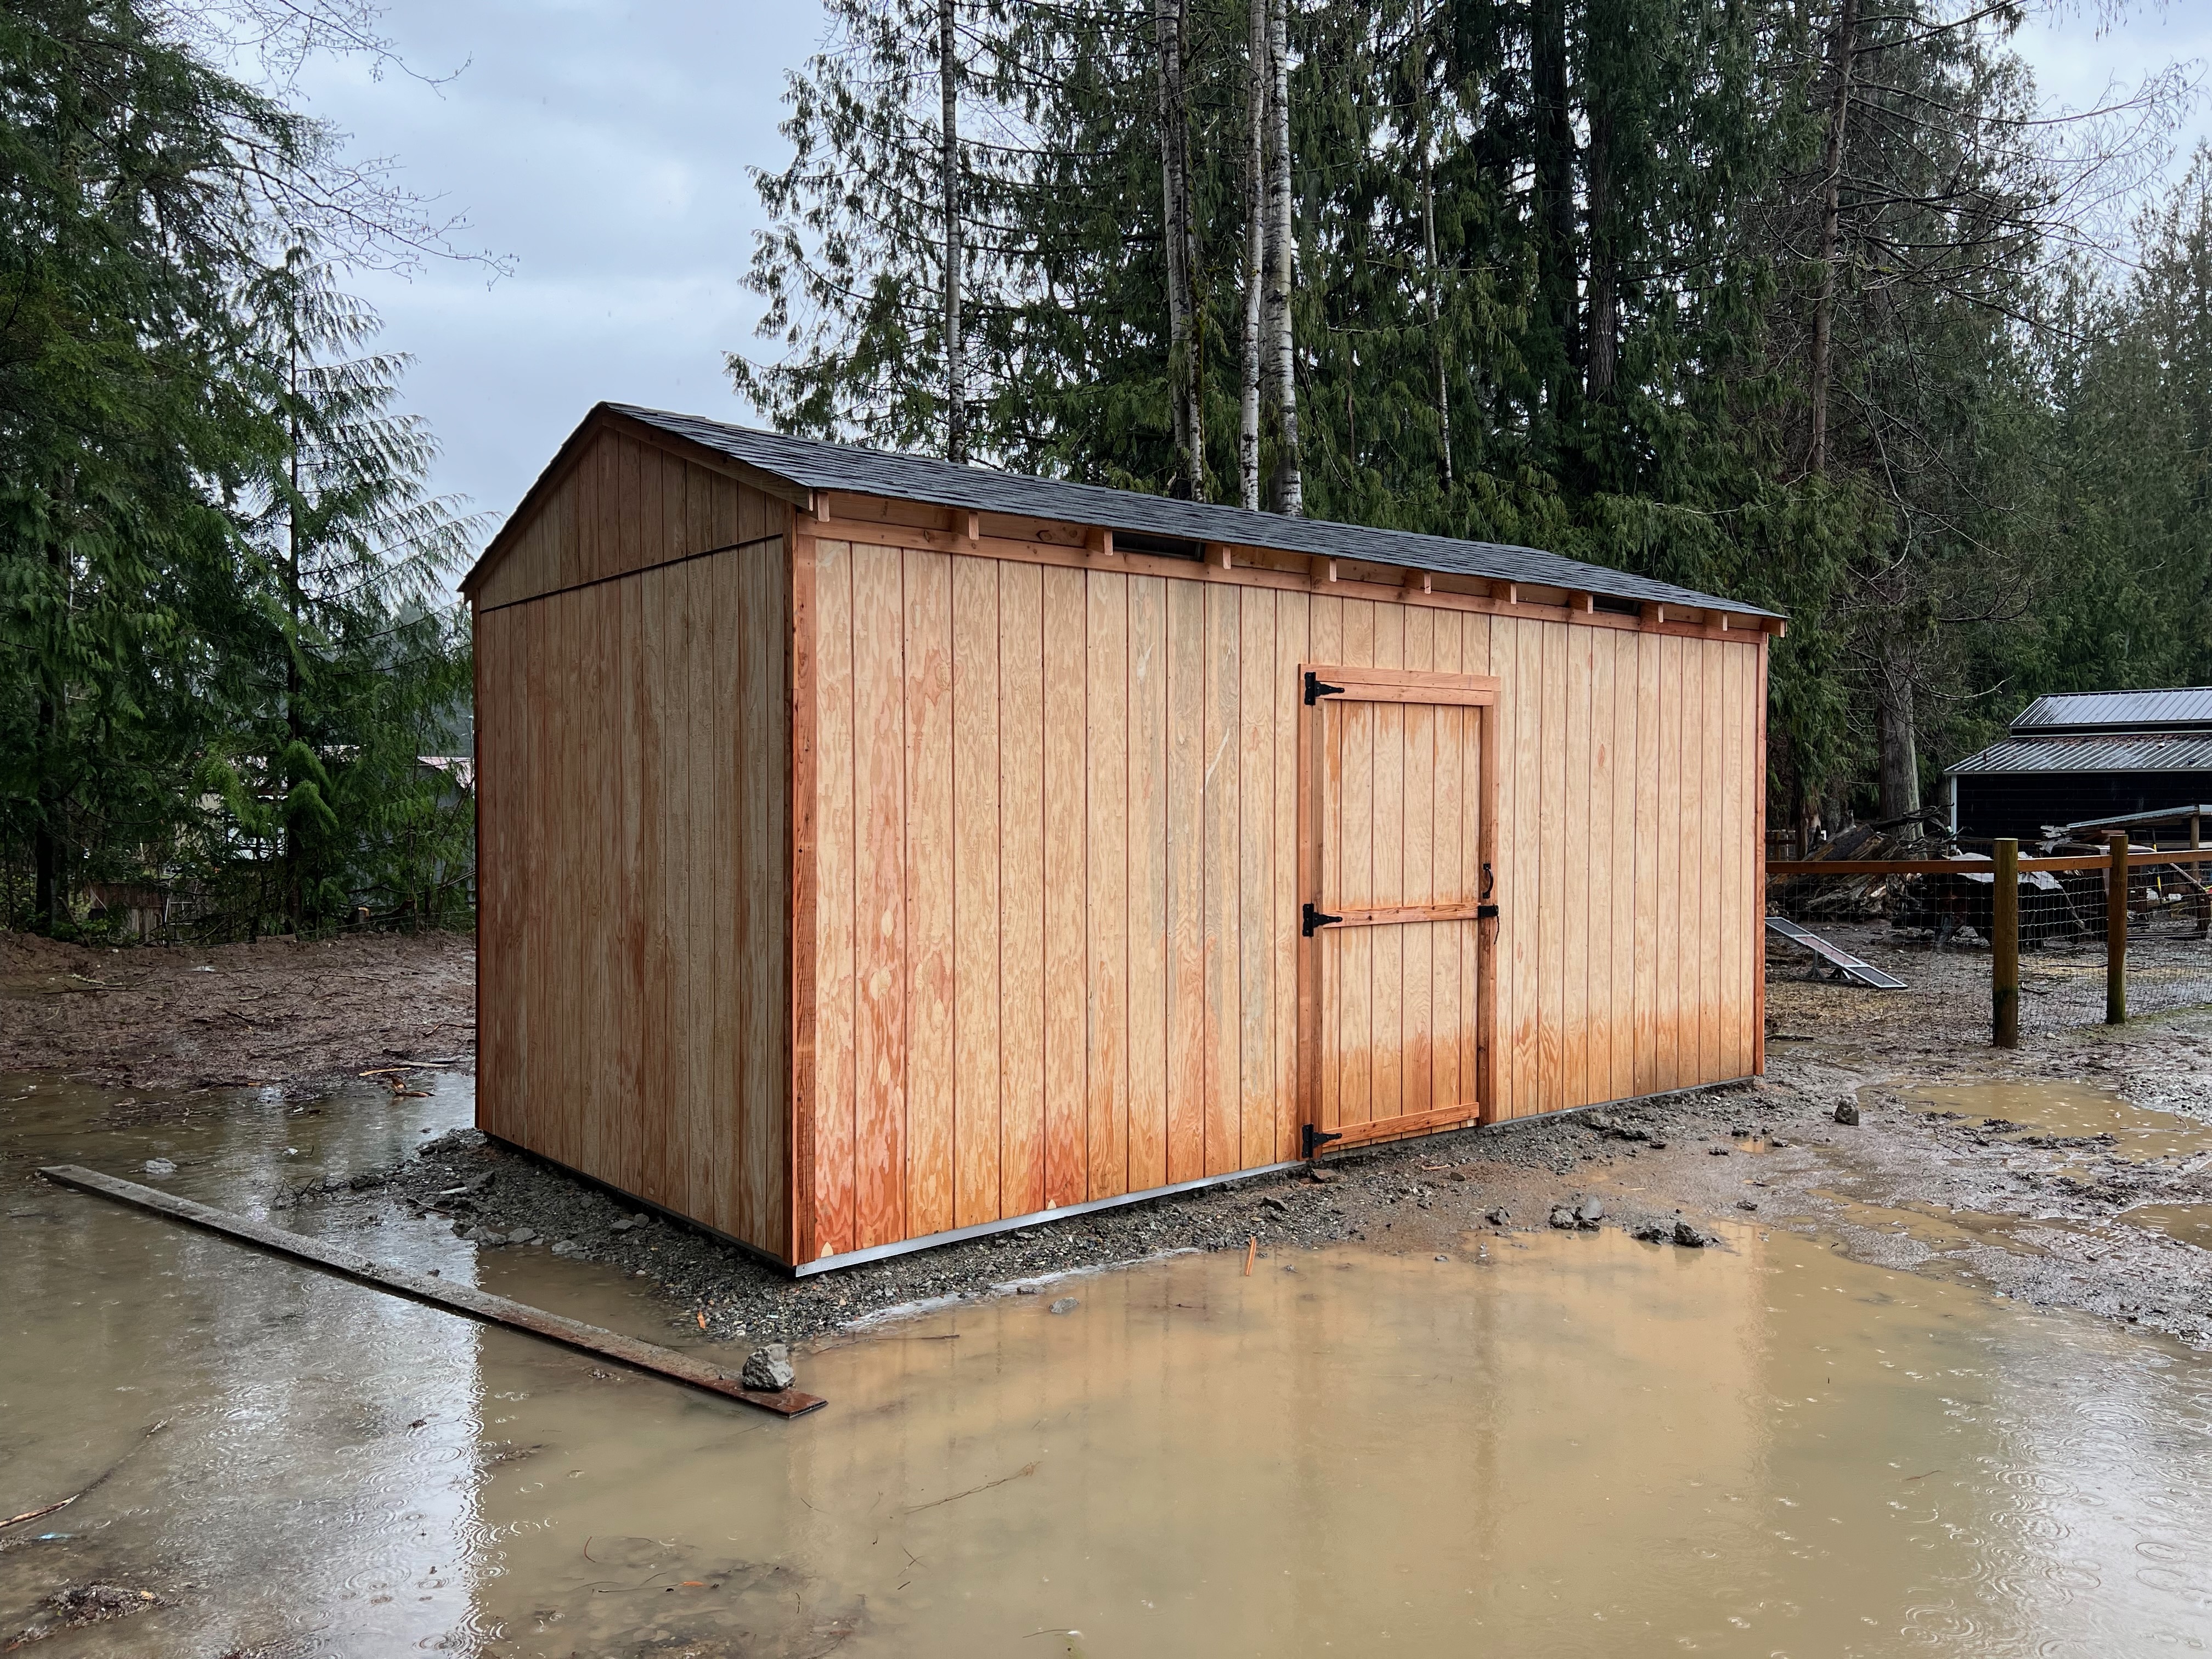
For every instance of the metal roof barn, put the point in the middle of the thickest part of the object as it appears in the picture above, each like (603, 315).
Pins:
(876, 852)
(2187, 707)
(2086, 756)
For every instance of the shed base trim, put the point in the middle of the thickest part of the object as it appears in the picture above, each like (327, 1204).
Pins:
(985, 1229)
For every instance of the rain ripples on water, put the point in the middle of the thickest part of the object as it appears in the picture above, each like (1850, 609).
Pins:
(1588, 1444)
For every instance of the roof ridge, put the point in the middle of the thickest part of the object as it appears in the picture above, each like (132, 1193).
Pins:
(819, 463)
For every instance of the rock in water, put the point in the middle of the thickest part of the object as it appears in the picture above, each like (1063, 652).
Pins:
(1690, 1238)
(1847, 1113)
(159, 1166)
(768, 1370)
(1562, 1216)
(1067, 1304)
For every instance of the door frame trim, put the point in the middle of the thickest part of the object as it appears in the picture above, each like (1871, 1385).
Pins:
(1482, 692)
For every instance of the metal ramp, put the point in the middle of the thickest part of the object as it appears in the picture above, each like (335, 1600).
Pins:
(1844, 961)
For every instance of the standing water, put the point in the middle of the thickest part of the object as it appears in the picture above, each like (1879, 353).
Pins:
(1547, 1443)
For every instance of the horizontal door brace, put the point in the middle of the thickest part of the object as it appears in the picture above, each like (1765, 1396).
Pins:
(1395, 915)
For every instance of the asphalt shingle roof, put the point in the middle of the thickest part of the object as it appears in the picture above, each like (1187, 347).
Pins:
(814, 464)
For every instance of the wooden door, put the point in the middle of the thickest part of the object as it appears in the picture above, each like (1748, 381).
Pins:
(1397, 841)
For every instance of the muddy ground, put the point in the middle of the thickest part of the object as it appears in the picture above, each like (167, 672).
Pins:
(2027, 1214)
(174, 1017)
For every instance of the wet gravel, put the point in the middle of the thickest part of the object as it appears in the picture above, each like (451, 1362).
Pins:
(1427, 1195)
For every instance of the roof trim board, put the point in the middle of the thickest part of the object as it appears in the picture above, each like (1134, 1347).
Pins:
(803, 470)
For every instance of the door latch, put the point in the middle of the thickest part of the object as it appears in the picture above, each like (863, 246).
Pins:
(1318, 688)
(1316, 1137)
(1309, 919)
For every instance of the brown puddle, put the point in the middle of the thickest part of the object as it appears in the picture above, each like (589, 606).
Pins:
(1585, 1445)
(2067, 1110)
(2187, 1223)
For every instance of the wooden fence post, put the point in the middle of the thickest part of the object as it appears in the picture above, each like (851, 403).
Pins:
(2004, 948)
(2116, 932)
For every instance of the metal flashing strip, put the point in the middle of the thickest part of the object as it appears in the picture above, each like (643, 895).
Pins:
(1036, 1217)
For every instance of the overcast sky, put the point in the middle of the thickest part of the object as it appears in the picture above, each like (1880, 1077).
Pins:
(603, 147)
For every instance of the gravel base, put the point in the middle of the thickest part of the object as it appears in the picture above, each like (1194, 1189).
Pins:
(1420, 1195)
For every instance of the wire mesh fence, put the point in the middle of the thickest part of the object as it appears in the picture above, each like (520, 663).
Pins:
(1950, 907)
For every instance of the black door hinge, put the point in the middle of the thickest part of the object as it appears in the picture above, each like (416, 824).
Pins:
(1309, 919)
(1316, 1137)
(1485, 912)
(1318, 688)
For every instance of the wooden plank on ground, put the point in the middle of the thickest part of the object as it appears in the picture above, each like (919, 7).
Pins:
(463, 1299)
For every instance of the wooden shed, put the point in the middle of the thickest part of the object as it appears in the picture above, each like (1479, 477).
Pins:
(876, 852)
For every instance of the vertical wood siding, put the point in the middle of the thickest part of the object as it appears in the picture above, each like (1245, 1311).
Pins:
(1057, 848)
(633, 735)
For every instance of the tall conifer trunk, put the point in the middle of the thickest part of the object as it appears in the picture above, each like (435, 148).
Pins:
(1427, 136)
(1555, 194)
(295, 725)
(1897, 743)
(948, 83)
(1603, 336)
(1180, 237)
(1287, 487)
(1841, 46)
(49, 886)
(1255, 257)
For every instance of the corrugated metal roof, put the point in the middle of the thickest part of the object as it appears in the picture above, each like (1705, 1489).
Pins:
(818, 465)
(2179, 752)
(2181, 707)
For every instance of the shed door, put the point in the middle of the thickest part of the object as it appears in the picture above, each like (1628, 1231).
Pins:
(1396, 921)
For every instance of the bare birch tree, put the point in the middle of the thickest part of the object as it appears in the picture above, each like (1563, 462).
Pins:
(1255, 256)
(1288, 488)
(948, 81)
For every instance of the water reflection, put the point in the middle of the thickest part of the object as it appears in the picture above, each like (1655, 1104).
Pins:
(1582, 1444)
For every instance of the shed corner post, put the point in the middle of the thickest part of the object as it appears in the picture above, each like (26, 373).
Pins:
(2004, 946)
(1758, 864)
(798, 934)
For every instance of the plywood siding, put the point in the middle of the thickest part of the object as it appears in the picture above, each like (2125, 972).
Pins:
(633, 743)
(622, 504)
(1056, 896)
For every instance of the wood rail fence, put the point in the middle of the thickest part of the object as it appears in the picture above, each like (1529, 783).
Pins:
(2007, 866)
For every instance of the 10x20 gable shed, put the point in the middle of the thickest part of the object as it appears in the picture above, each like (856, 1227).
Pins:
(874, 850)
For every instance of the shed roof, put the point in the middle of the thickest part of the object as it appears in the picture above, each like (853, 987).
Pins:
(812, 464)
(2154, 752)
(2178, 708)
